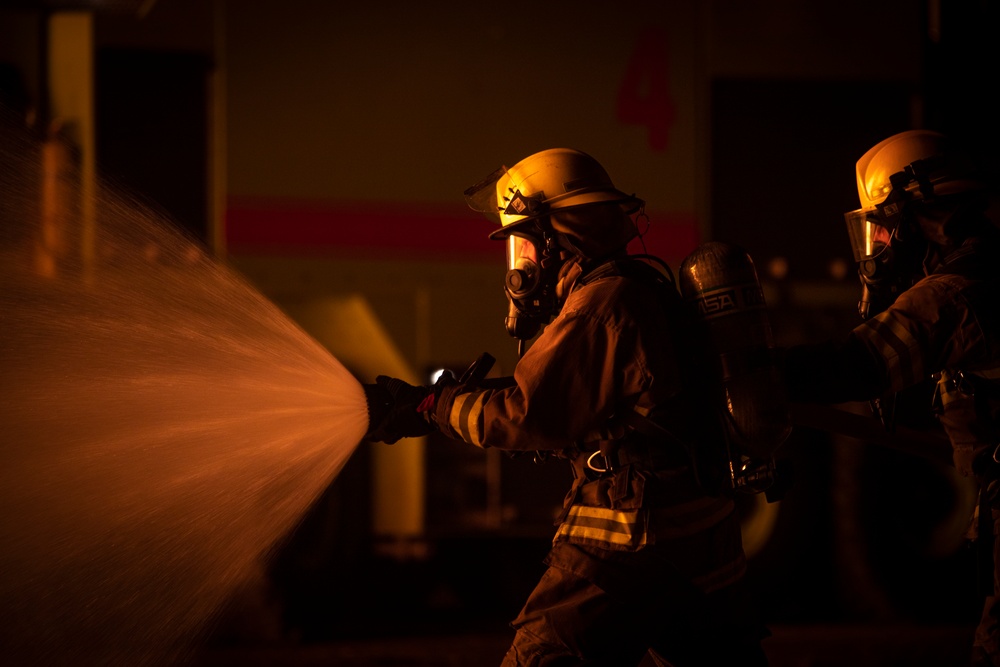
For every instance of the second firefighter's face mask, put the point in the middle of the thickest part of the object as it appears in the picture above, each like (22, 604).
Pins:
(869, 236)
(889, 251)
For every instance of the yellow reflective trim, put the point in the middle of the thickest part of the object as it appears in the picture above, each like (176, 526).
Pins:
(915, 358)
(606, 513)
(466, 417)
(592, 534)
(601, 524)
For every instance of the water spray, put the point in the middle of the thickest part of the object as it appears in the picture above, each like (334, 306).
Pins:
(164, 426)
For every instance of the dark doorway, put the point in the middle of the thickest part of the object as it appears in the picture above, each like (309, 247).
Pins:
(782, 164)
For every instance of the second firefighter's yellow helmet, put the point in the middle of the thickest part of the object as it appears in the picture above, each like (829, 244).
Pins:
(923, 162)
(916, 165)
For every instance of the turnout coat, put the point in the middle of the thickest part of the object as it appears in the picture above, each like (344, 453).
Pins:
(620, 351)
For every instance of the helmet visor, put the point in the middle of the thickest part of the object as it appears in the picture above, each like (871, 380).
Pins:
(520, 209)
(868, 233)
(482, 197)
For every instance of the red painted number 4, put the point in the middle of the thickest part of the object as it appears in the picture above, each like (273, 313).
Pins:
(644, 96)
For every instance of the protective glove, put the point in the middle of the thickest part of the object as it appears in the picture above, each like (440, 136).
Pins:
(397, 410)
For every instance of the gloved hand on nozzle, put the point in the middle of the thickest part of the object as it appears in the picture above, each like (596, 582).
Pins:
(399, 410)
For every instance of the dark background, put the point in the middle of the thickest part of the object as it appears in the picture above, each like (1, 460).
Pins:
(865, 534)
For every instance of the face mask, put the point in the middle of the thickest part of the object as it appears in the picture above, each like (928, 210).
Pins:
(893, 265)
(530, 283)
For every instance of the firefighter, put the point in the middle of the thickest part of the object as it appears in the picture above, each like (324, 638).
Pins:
(647, 554)
(929, 264)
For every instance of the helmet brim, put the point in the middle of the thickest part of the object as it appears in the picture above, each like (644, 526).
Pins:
(629, 204)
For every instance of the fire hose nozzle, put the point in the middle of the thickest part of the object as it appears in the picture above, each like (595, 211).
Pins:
(477, 372)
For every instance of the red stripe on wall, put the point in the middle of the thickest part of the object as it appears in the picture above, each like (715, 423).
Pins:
(412, 231)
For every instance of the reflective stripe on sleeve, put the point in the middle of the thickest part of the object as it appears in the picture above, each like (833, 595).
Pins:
(466, 417)
(894, 343)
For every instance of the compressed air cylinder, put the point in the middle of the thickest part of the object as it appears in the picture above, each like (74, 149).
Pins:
(719, 280)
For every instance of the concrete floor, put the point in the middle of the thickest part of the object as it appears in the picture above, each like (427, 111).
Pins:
(790, 646)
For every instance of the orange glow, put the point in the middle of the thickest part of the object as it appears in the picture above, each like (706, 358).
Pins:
(55, 175)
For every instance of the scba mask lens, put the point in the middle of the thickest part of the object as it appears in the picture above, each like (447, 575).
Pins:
(868, 234)
(523, 267)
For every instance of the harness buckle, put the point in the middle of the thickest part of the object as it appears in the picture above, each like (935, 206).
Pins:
(607, 463)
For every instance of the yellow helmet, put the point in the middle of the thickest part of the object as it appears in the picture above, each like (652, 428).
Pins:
(916, 165)
(547, 181)
(942, 170)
